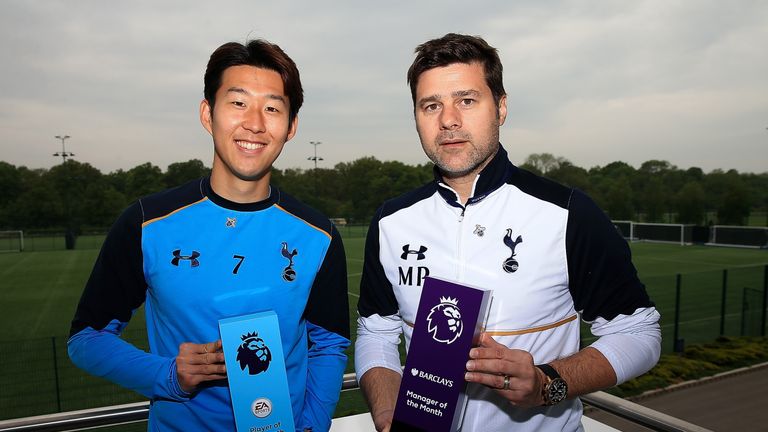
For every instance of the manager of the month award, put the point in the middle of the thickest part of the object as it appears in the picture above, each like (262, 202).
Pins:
(448, 323)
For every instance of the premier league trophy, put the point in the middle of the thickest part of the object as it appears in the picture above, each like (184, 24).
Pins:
(253, 354)
(448, 324)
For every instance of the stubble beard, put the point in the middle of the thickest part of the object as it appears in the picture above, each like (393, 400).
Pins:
(476, 158)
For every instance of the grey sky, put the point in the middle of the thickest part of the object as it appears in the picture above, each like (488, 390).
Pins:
(592, 81)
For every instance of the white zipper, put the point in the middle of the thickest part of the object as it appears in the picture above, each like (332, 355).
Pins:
(459, 249)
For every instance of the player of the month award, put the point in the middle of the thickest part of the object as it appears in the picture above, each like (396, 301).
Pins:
(253, 354)
(448, 323)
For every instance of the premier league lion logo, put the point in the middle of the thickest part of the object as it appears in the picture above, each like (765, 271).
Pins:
(254, 354)
(444, 321)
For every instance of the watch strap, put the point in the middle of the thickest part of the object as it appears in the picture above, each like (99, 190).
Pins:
(549, 371)
(555, 390)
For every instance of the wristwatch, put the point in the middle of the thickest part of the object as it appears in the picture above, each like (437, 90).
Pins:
(555, 389)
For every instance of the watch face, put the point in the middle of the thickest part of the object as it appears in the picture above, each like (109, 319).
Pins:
(557, 390)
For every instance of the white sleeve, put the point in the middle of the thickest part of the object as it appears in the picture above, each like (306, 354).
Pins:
(378, 338)
(631, 343)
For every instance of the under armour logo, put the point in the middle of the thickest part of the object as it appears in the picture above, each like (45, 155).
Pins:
(231, 222)
(479, 231)
(177, 256)
(419, 253)
(510, 265)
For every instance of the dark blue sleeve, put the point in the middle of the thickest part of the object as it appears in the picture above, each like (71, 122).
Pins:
(603, 280)
(376, 293)
(115, 289)
(327, 315)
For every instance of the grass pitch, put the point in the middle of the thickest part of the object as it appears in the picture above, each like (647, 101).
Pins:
(40, 291)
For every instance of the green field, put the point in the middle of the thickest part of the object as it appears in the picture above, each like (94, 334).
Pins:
(40, 291)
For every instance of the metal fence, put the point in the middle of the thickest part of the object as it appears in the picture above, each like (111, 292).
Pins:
(37, 376)
(699, 307)
(37, 241)
(717, 303)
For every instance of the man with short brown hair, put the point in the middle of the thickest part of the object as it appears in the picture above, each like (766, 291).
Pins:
(547, 251)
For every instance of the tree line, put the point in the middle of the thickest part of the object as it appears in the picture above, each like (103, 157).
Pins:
(77, 196)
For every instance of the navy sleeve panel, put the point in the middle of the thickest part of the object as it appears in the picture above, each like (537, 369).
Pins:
(377, 296)
(540, 187)
(303, 211)
(116, 286)
(168, 201)
(328, 303)
(376, 293)
(603, 280)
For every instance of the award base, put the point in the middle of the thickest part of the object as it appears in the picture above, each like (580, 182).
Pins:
(253, 354)
(448, 323)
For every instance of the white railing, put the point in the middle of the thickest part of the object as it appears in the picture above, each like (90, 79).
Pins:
(136, 412)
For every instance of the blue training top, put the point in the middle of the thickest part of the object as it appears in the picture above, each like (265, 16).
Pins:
(192, 258)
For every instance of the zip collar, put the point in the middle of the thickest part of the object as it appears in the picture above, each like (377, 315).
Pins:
(492, 177)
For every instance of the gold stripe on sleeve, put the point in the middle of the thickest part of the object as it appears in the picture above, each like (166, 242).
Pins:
(523, 331)
(173, 212)
(532, 329)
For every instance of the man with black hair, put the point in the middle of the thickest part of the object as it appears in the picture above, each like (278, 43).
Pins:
(215, 248)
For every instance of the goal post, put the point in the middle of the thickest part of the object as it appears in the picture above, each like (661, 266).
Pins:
(661, 232)
(12, 241)
(686, 234)
(739, 236)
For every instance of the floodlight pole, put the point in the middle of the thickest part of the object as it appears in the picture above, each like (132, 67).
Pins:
(315, 158)
(63, 153)
(69, 236)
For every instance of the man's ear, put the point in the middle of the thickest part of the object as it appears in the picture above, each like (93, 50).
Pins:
(205, 116)
(292, 128)
(502, 109)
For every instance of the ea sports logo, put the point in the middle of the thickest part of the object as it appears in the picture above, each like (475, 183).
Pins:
(444, 321)
(261, 407)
